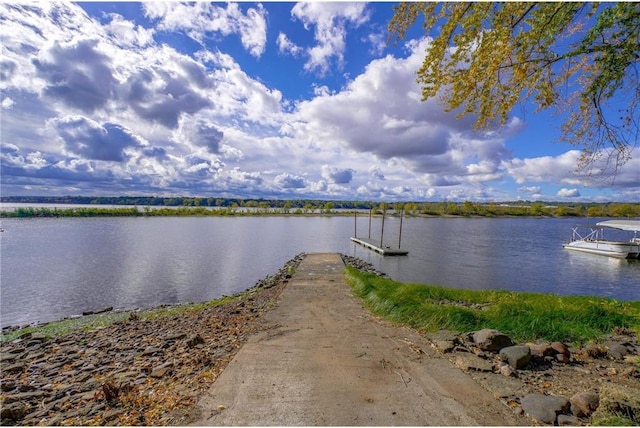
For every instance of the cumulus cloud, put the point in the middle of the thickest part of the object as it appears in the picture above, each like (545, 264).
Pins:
(529, 189)
(380, 112)
(378, 43)
(104, 103)
(375, 172)
(331, 21)
(244, 178)
(7, 103)
(568, 193)
(200, 134)
(287, 46)
(543, 168)
(7, 69)
(156, 94)
(126, 34)
(76, 73)
(288, 181)
(91, 140)
(199, 168)
(336, 175)
(198, 20)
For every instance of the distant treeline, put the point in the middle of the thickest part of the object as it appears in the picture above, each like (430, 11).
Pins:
(183, 206)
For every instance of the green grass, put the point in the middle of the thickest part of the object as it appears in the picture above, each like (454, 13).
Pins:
(522, 316)
(611, 420)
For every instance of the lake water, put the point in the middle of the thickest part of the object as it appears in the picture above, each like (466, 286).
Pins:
(54, 268)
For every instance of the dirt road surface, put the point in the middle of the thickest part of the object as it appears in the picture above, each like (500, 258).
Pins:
(325, 360)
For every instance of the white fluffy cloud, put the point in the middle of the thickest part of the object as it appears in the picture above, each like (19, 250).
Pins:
(544, 168)
(201, 20)
(568, 193)
(330, 22)
(103, 105)
(287, 46)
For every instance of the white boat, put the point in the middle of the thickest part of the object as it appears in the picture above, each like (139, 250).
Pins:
(591, 239)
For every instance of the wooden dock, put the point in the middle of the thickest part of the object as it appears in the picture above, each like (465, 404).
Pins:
(385, 250)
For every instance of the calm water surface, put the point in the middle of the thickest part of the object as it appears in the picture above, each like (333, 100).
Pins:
(53, 268)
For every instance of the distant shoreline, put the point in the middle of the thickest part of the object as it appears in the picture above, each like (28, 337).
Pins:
(159, 211)
(85, 206)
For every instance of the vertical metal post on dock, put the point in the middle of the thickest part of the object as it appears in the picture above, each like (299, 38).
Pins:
(370, 211)
(384, 210)
(400, 235)
(355, 224)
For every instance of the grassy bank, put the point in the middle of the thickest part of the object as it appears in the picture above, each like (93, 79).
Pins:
(522, 316)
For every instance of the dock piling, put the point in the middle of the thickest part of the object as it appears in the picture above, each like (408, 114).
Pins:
(368, 242)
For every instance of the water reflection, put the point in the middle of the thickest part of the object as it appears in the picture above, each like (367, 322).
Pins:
(52, 268)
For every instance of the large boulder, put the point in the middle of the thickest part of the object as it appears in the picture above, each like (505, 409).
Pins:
(491, 340)
(545, 408)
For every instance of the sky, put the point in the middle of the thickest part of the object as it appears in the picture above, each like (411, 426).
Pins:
(255, 100)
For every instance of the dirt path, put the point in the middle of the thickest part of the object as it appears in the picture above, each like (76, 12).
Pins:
(324, 360)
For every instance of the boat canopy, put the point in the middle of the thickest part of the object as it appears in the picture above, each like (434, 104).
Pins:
(631, 225)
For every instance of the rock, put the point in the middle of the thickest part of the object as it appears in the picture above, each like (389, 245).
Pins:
(111, 414)
(470, 362)
(97, 408)
(560, 348)
(491, 340)
(149, 351)
(566, 420)
(619, 399)
(583, 404)
(88, 395)
(7, 385)
(176, 336)
(544, 408)
(90, 384)
(159, 372)
(6, 357)
(541, 349)
(24, 396)
(517, 356)
(443, 346)
(13, 411)
(14, 368)
(195, 341)
(563, 358)
(162, 370)
(98, 311)
(595, 351)
(25, 387)
(38, 337)
(616, 350)
(443, 340)
(507, 370)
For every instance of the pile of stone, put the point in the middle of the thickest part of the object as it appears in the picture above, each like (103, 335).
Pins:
(361, 265)
(141, 371)
(511, 372)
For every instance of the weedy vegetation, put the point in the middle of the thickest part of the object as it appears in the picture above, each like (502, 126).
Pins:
(522, 316)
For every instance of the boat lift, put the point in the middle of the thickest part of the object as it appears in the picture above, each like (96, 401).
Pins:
(374, 245)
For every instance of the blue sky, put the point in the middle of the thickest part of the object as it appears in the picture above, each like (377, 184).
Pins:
(272, 100)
